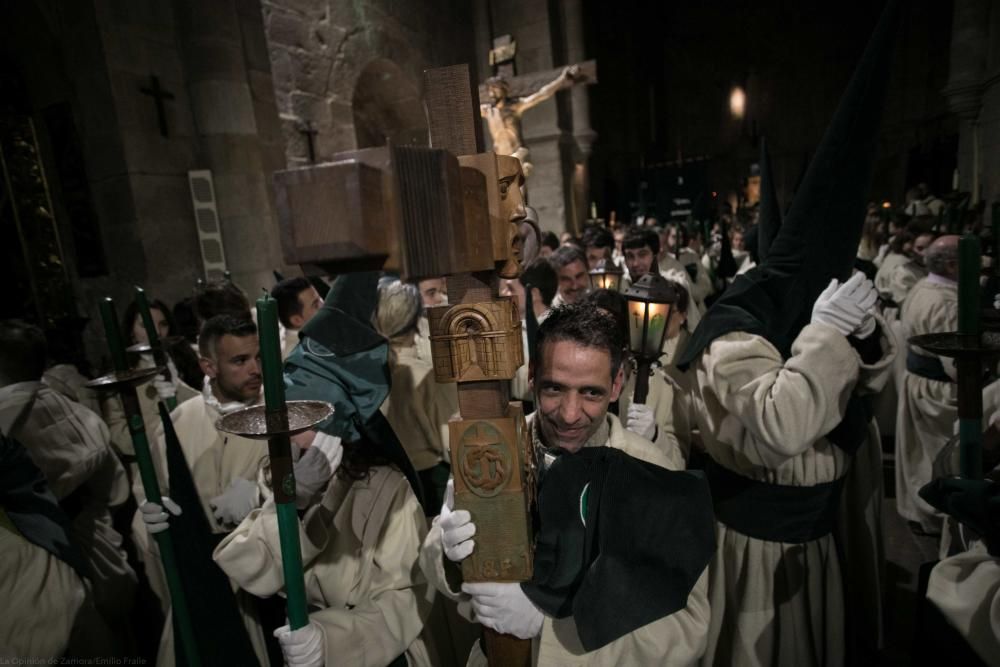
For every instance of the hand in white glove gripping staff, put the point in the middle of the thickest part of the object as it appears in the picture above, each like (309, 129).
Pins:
(316, 466)
(238, 500)
(641, 420)
(165, 388)
(155, 515)
(457, 528)
(505, 608)
(302, 647)
(849, 308)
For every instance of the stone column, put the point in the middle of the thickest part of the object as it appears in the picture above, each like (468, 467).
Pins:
(964, 90)
(583, 134)
(212, 38)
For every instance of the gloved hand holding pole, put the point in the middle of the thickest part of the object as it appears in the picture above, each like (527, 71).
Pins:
(125, 385)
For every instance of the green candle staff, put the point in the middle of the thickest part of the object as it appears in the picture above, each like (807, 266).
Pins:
(280, 420)
(124, 381)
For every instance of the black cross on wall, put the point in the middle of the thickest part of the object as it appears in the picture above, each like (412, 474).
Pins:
(158, 94)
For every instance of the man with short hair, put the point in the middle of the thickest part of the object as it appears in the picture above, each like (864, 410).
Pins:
(906, 275)
(928, 399)
(642, 248)
(599, 244)
(576, 375)
(297, 301)
(574, 280)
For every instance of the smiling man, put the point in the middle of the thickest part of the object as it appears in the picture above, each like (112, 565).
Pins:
(574, 280)
(598, 479)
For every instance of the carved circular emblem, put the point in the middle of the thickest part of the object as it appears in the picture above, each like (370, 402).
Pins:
(484, 460)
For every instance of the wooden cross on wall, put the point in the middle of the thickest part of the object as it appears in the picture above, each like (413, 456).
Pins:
(159, 95)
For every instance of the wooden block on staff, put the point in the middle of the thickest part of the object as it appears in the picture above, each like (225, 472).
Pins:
(332, 213)
(494, 469)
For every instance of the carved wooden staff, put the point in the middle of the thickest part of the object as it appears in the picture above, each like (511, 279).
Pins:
(124, 381)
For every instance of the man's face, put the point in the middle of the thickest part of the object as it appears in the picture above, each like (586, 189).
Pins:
(512, 211)
(235, 371)
(572, 390)
(311, 303)
(669, 240)
(737, 241)
(159, 321)
(574, 281)
(497, 94)
(639, 261)
(674, 324)
(595, 255)
(433, 292)
(920, 244)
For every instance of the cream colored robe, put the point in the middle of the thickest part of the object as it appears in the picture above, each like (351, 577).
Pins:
(966, 588)
(765, 418)
(360, 546)
(677, 639)
(903, 279)
(69, 444)
(883, 277)
(215, 460)
(289, 342)
(701, 287)
(927, 408)
(418, 408)
(68, 381)
(42, 598)
(661, 399)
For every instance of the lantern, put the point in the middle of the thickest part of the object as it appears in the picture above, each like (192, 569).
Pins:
(606, 275)
(650, 304)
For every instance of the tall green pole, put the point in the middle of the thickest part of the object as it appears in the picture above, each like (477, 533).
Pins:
(970, 390)
(279, 449)
(150, 485)
(159, 354)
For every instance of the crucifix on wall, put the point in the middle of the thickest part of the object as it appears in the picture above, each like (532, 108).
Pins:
(508, 97)
(309, 132)
(159, 95)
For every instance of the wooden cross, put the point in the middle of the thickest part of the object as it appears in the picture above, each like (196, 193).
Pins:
(159, 95)
(502, 56)
(310, 133)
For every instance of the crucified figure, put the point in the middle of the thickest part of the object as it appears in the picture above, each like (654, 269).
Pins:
(503, 114)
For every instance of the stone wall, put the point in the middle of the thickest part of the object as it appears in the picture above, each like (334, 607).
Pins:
(353, 70)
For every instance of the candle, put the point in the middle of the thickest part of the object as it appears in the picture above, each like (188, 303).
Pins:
(147, 318)
(114, 335)
(270, 354)
(969, 261)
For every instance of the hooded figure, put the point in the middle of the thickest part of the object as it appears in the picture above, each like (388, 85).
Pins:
(780, 379)
(361, 537)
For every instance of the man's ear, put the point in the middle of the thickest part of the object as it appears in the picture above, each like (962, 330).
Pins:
(531, 376)
(297, 321)
(208, 367)
(618, 382)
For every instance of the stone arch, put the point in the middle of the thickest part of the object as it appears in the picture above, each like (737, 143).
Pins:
(387, 107)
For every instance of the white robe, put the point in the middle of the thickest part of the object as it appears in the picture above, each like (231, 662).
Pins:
(69, 444)
(966, 588)
(765, 418)
(360, 546)
(927, 408)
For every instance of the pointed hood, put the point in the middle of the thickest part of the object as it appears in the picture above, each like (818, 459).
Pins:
(769, 220)
(819, 237)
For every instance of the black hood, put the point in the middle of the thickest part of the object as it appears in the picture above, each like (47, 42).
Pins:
(819, 237)
(769, 220)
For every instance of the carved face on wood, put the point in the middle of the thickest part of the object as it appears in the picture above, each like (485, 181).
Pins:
(510, 179)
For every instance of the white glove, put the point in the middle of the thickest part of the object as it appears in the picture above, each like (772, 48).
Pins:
(505, 608)
(316, 466)
(166, 388)
(239, 500)
(640, 420)
(302, 647)
(154, 516)
(846, 307)
(457, 528)
(996, 301)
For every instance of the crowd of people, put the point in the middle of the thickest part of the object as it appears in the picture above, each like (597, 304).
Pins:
(783, 414)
